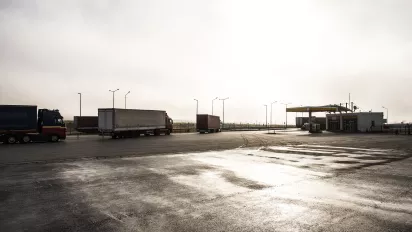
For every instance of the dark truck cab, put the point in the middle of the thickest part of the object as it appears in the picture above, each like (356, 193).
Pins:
(169, 124)
(86, 124)
(25, 124)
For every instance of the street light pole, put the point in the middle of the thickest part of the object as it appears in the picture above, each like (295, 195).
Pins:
(266, 106)
(212, 104)
(113, 91)
(286, 122)
(271, 112)
(387, 114)
(125, 97)
(223, 100)
(197, 106)
(80, 94)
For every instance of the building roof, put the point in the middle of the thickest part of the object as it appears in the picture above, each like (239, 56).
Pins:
(326, 108)
(364, 112)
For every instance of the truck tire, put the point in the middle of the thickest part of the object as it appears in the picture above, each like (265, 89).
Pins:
(156, 132)
(136, 134)
(25, 139)
(11, 139)
(168, 132)
(54, 138)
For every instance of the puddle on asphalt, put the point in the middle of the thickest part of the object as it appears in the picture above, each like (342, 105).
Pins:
(231, 170)
(298, 149)
(341, 148)
(262, 171)
(180, 184)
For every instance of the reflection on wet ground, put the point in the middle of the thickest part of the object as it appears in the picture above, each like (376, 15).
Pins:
(274, 188)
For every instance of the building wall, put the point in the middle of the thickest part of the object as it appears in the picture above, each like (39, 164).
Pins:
(335, 120)
(365, 121)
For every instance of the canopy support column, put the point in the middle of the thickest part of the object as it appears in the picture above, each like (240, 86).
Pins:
(327, 123)
(310, 121)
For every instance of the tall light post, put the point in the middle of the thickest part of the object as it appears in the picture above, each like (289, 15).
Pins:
(80, 94)
(197, 106)
(266, 106)
(302, 111)
(387, 114)
(125, 97)
(212, 104)
(223, 100)
(286, 107)
(113, 91)
(271, 111)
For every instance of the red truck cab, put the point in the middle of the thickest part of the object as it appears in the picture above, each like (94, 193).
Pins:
(24, 123)
(50, 125)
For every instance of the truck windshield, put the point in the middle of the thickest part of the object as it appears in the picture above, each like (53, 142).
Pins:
(59, 121)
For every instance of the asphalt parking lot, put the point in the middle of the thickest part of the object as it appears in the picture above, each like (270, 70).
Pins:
(237, 181)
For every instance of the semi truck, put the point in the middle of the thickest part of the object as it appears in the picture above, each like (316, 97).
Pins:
(24, 124)
(207, 123)
(126, 123)
(86, 124)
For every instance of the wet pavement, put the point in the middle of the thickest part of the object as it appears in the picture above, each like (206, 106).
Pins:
(301, 187)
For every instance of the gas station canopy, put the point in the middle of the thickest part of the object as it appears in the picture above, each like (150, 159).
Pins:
(313, 109)
(327, 108)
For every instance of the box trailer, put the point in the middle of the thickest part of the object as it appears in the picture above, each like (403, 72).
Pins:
(207, 123)
(120, 123)
(23, 124)
(86, 124)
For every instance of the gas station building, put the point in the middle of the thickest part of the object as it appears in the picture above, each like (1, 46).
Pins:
(339, 118)
(355, 122)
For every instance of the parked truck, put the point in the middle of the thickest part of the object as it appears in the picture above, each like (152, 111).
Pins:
(24, 123)
(122, 123)
(86, 124)
(207, 123)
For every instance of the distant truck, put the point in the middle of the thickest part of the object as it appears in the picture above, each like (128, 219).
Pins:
(86, 124)
(315, 127)
(207, 123)
(123, 123)
(305, 126)
(23, 124)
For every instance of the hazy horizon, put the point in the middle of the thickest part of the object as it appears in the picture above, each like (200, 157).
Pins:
(169, 52)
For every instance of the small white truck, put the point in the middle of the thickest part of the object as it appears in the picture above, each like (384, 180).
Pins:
(123, 123)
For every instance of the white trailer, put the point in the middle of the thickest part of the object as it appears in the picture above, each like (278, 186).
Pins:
(120, 123)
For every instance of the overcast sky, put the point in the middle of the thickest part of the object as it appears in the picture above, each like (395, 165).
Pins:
(169, 52)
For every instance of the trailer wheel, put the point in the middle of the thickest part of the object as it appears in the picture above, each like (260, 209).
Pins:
(25, 139)
(156, 132)
(54, 138)
(11, 139)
